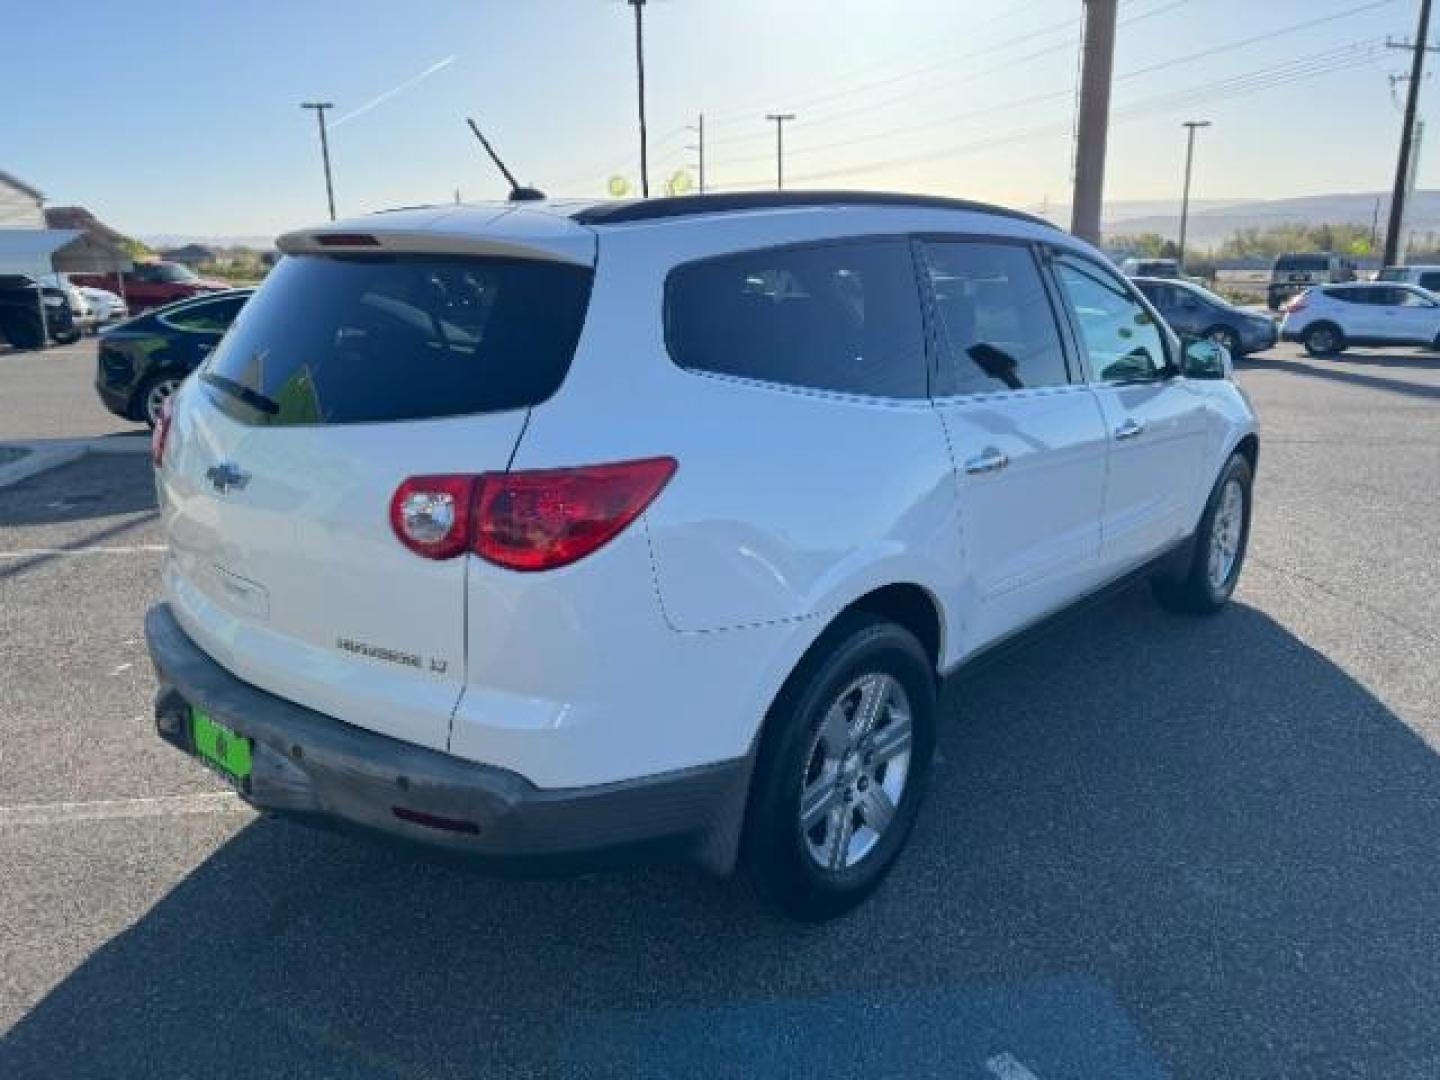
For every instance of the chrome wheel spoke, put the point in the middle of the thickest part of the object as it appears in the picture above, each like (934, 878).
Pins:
(837, 839)
(818, 800)
(891, 740)
(874, 696)
(877, 808)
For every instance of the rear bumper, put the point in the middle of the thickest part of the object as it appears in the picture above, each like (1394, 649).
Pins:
(320, 769)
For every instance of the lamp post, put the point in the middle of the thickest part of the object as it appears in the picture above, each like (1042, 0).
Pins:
(1190, 126)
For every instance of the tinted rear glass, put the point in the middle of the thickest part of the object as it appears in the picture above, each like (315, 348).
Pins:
(356, 339)
(1302, 264)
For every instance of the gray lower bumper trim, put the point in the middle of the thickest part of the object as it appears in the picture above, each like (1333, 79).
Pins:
(313, 765)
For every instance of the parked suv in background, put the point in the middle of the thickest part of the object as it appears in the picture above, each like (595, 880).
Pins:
(21, 323)
(1427, 277)
(154, 284)
(1152, 268)
(1196, 312)
(1328, 320)
(545, 532)
(1293, 273)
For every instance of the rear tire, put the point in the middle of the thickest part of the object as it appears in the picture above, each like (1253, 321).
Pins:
(842, 769)
(152, 395)
(70, 337)
(1219, 548)
(1323, 339)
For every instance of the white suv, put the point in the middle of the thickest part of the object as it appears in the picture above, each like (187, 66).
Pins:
(1329, 319)
(555, 532)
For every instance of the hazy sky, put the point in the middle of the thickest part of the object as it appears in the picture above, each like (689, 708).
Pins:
(183, 117)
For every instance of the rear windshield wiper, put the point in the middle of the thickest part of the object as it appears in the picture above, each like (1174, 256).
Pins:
(256, 400)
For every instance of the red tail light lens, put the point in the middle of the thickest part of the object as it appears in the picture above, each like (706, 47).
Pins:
(547, 519)
(1295, 303)
(431, 514)
(160, 434)
(528, 521)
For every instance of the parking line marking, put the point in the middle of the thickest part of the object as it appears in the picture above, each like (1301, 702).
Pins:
(134, 549)
(64, 813)
(1006, 1066)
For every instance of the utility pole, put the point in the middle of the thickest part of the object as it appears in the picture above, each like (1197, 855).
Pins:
(779, 119)
(1098, 62)
(1418, 48)
(320, 107)
(699, 147)
(1190, 126)
(1375, 226)
(639, 6)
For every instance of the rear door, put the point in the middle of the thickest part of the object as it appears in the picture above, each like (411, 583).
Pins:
(1157, 423)
(341, 378)
(1414, 314)
(1028, 440)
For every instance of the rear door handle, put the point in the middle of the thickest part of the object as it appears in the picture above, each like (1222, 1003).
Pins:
(1130, 428)
(990, 460)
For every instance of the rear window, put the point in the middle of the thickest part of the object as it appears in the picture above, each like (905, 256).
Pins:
(1302, 264)
(1430, 280)
(843, 316)
(341, 339)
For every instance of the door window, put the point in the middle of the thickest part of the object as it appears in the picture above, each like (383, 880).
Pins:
(210, 316)
(1119, 335)
(996, 327)
(1410, 299)
(842, 316)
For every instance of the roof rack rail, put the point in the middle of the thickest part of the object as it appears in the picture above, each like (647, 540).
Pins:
(626, 210)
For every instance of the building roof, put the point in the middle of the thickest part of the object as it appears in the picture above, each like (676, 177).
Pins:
(11, 180)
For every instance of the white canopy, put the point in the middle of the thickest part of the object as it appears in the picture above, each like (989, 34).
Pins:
(70, 251)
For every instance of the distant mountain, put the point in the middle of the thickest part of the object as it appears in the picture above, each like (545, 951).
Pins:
(1211, 225)
(211, 240)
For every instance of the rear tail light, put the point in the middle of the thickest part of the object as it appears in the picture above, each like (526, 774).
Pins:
(160, 434)
(527, 521)
(1296, 303)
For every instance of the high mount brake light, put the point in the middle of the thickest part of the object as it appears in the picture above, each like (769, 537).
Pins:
(527, 521)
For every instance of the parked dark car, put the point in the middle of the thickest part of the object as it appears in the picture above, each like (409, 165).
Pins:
(20, 321)
(1294, 272)
(154, 284)
(1196, 312)
(141, 362)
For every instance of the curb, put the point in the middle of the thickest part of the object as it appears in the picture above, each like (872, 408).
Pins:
(46, 454)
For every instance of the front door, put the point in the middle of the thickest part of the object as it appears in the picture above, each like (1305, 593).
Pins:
(1027, 439)
(1155, 419)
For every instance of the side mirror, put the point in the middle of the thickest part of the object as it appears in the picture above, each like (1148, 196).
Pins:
(1204, 359)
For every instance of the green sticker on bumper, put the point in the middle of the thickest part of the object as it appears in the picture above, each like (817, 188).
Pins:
(215, 743)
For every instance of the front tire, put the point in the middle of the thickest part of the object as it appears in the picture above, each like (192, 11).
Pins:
(1323, 339)
(1219, 548)
(842, 769)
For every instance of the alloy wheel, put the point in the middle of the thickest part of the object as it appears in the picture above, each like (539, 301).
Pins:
(1225, 533)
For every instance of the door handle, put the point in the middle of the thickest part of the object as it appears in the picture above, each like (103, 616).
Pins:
(990, 460)
(1130, 428)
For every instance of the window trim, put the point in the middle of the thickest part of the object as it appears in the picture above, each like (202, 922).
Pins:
(1168, 345)
(945, 385)
(848, 240)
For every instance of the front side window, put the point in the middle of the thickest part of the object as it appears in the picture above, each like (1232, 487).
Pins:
(1119, 335)
(996, 327)
(210, 316)
(842, 317)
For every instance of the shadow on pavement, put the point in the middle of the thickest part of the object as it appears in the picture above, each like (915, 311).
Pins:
(1319, 370)
(1155, 846)
(95, 486)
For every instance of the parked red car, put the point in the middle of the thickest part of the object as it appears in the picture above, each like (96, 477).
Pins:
(153, 284)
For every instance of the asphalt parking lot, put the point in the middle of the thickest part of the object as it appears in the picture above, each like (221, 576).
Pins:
(1155, 846)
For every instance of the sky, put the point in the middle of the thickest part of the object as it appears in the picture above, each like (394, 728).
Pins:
(184, 118)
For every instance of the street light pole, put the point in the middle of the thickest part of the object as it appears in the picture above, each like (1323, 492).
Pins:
(320, 107)
(639, 6)
(1190, 126)
(779, 119)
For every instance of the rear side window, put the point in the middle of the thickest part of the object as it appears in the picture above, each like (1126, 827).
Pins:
(1430, 280)
(209, 316)
(996, 327)
(840, 317)
(357, 339)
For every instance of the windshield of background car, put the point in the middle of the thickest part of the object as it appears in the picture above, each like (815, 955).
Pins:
(333, 339)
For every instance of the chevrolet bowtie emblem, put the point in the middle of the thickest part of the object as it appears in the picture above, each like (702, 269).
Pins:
(227, 475)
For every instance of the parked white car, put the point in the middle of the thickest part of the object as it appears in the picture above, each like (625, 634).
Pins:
(81, 310)
(569, 529)
(108, 307)
(1329, 319)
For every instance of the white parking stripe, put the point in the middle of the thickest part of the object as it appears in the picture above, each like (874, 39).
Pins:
(64, 813)
(1006, 1066)
(134, 549)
